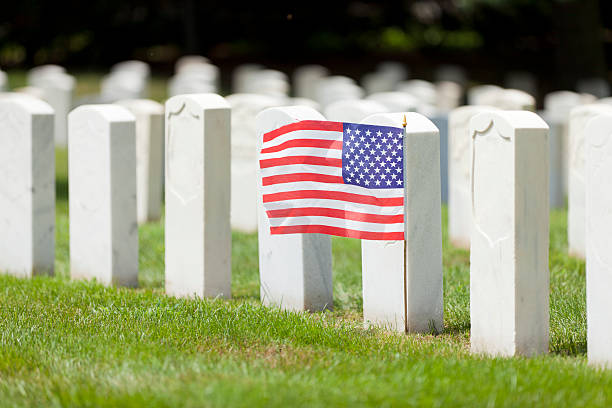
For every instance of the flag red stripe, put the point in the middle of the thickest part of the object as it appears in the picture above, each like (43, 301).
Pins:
(284, 161)
(304, 125)
(333, 195)
(339, 232)
(318, 143)
(336, 213)
(296, 177)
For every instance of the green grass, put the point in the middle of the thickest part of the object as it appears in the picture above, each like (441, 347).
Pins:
(65, 343)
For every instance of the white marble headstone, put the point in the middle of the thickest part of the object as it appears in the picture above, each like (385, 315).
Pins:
(58, 90)
(245, 108)
(27, 186)
(579, 118)
(198, 233)
(598, 254)
(557, 107)
(509, 244)
(459, 171)
(295, 270)
(149, 156)
(102, 188)
(402, 280)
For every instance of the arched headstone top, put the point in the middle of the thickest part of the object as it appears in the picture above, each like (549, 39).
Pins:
(27, 103)
(146, 105)
(106, 112)
(506, 122)
(599, 130)
(206, 100)
(272, 118)
(415, 122)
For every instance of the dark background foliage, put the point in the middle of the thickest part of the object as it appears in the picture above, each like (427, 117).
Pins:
(560, 41)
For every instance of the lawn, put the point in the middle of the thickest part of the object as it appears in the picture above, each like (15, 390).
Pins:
(69, 343)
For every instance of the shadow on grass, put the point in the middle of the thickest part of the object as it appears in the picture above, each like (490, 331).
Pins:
(61, 189)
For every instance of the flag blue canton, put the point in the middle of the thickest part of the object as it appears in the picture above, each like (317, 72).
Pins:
(373, 156)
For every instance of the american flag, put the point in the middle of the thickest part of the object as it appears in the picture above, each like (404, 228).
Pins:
(335, 178)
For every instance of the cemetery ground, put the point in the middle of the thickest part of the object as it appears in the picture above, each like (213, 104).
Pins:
(65, 343)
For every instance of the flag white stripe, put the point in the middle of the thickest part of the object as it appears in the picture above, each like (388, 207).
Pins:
(342, 188)
(301, 168)
(304, 134)
(304, 151)
(335, 204)
(337, 222)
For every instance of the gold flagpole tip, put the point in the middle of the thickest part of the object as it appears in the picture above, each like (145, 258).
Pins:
(404, 123)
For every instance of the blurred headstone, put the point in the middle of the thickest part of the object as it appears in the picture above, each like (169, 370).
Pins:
(303, 102)
(187, 61)
(266, 82)
(448, 95)
(305, 79)
(149, 156)
(241, 74)
(452, 73)
(395, 101)
(513, 99)
(523, 81)
(482, 95)
(245, 107)
(337, 88)
(58, 90)
(192, 83)
(3, 81)
(123, 85)
(576, 219)
(42, 70)
(598, 192)
(599, 87)
(394, 69)
(353, 110)
(386, 77)
(557, 107)
(137, 67)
